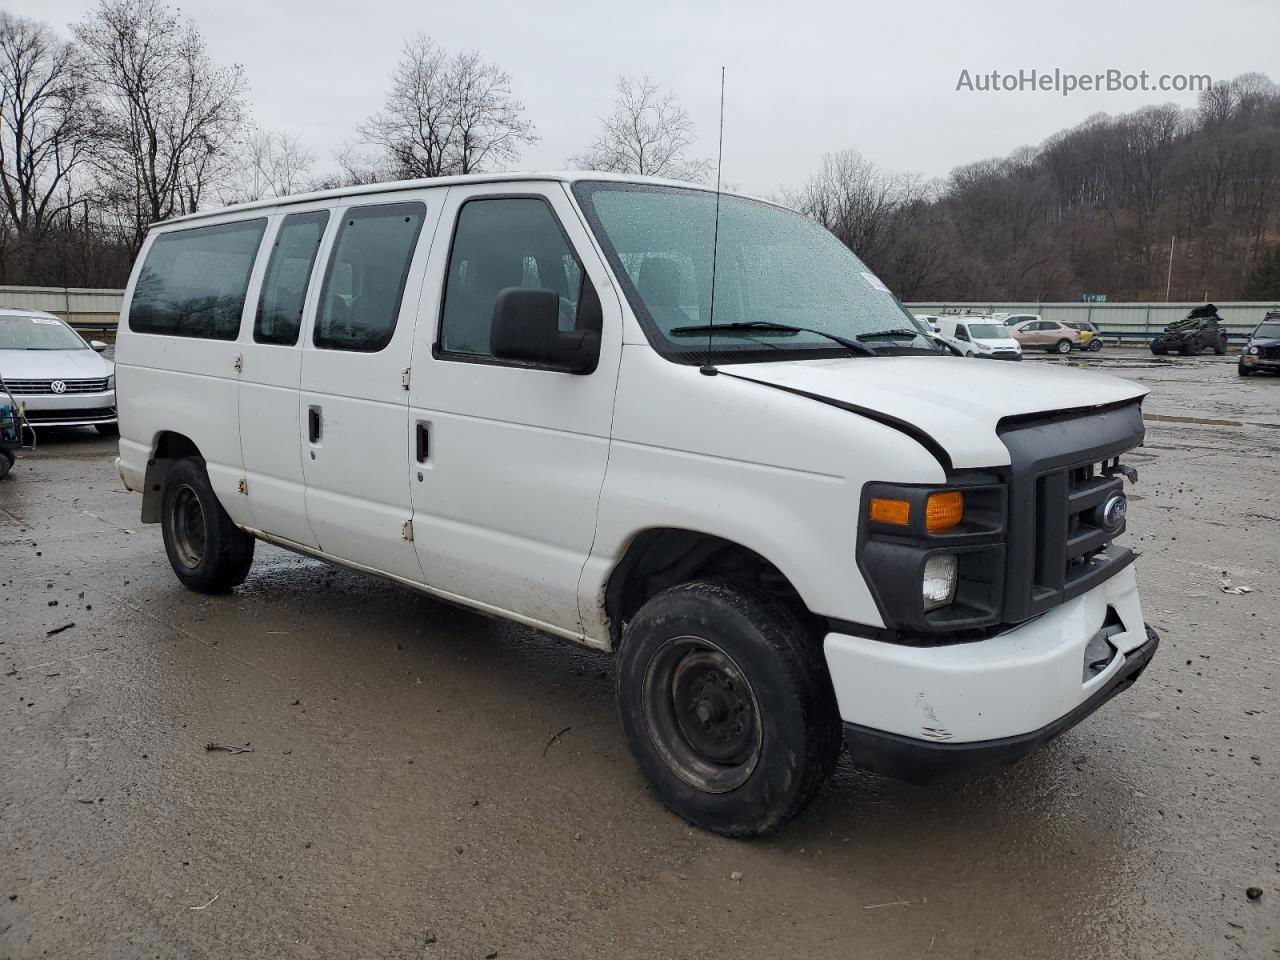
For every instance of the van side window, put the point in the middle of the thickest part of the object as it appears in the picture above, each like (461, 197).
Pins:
(364, 282)
(499, 243)
(193, 282)
(284, 289)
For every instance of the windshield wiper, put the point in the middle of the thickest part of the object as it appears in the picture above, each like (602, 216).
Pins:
(901, 332)
(845, 342)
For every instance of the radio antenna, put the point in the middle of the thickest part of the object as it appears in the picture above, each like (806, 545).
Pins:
(707, 368)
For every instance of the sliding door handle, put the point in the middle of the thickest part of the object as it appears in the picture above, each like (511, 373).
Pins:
(313, 424)
(422, 441)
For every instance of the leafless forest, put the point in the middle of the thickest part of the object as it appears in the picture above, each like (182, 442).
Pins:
(123, 119)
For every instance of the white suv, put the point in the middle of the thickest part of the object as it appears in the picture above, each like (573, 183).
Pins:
(796, 518)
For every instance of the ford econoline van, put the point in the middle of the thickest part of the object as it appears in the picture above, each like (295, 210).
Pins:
(796, 518)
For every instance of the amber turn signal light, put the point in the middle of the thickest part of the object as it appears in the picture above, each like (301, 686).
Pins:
(943, 511)
(894, 512)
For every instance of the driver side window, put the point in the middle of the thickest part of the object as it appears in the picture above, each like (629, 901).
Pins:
(499, 243)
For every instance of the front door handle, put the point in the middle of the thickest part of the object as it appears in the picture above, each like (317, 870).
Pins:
(313, 424)
(422, 441)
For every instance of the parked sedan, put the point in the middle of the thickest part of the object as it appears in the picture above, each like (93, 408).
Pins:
(1036, 333)
(58, 378)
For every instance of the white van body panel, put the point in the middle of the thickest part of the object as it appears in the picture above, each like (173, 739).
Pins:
(270, 378)
(357, 481)
(958, 404)
(504, 505)
(186, 385)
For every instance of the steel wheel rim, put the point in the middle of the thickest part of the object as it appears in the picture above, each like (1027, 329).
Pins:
(702, 715)
(187, 527)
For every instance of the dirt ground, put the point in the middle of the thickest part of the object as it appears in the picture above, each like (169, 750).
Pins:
(428, 783)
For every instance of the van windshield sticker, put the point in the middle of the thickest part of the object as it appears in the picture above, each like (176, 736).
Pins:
(874, 282)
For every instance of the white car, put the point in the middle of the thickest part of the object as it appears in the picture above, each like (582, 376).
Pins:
(978, 336)
(57, 378)
(798, 521)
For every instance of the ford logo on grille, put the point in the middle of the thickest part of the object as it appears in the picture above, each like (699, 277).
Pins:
(1113, 513)
(58, 386)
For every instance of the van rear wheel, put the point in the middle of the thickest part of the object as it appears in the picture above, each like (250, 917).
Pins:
(727, 707)
(208, 552)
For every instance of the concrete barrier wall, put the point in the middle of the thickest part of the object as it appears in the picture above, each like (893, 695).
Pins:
(91, 309)
(1120, 319)
(99, 309)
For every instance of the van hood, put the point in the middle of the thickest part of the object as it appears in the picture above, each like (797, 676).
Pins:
(998, 343)
(83, 364)
(956, 402)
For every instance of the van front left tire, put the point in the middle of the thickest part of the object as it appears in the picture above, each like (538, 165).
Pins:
(208, 552)
(727, 706)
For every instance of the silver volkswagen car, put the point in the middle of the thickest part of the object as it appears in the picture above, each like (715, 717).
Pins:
(57, 378)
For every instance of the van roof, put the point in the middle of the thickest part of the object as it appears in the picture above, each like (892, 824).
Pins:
(561, 176)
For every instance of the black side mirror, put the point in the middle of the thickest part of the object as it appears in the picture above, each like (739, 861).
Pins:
(526, 328)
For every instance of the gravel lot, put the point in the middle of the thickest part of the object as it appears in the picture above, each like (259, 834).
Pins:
(428, 783)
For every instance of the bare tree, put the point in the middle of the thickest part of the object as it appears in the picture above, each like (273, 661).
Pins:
(649, 133)
(173, 116)
(446, 114)
(276, 164)
(46, 116)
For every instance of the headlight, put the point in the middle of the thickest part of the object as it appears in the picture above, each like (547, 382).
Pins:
(939, 583)
(111, 382)
(1253, 350)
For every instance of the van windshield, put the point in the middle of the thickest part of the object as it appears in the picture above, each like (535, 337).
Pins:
(773, 269)
(38, 333)
(989, 331)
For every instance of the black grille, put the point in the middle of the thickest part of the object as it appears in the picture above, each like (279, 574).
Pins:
(1269, 353)
(1057, 547)
(88, 415)
(42, 387)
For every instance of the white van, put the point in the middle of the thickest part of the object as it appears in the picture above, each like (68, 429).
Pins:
(980, 336)
(797, 519)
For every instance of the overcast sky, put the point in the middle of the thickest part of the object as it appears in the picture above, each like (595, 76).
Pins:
(804, 78)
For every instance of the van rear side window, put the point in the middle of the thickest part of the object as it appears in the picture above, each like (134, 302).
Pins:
(364, 283)
(284, 290)
(193, 282)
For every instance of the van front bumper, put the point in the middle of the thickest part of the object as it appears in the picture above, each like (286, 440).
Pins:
(924, 713)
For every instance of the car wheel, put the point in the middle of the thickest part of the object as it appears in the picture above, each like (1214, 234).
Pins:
(1243, 371)
(1158, 351)
(6, 463)
(108, 429)
(1062, 346)
(727, 706)
(208, 552)
(1095, 345)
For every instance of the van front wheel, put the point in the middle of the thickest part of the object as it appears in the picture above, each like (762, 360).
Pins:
(208, 552)
(727, 706)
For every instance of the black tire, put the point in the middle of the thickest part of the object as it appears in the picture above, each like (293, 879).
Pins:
(1159, 351)
(208, 552)
(1220, 348)
(1094, 345)
(108, 429)
(757, 703)
(6, 463)
(1243, 371)
(1063, 346)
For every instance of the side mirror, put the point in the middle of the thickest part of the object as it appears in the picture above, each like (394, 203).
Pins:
(97, 345)
(526, 327)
